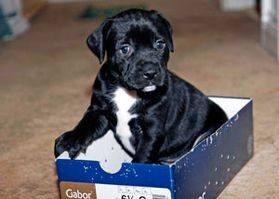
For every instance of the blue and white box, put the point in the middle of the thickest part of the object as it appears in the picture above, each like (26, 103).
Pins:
(201, 173)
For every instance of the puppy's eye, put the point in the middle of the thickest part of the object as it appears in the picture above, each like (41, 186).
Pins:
(125, 49)
(160, 44)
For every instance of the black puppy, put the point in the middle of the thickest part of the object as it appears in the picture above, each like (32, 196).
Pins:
(155, 115)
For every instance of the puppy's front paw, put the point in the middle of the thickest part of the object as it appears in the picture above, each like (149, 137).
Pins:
(70, 142)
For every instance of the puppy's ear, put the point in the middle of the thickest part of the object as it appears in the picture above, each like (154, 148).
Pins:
(167, 27)
(97, 40)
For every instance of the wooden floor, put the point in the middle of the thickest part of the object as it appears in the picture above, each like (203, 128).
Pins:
(31, 8)
(45, 76)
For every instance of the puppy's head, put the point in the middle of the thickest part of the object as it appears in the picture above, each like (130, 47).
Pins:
(137, 44)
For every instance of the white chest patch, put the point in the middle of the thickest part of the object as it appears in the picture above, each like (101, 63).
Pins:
(124, 100)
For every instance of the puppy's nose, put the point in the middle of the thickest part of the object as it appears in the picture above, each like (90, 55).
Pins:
(150, 74)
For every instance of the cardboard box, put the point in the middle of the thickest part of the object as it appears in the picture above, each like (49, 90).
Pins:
(202, 173)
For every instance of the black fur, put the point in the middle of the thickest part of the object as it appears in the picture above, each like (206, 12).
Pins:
(170, 118)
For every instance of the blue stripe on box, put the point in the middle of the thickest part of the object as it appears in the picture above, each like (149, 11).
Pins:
(151, 175)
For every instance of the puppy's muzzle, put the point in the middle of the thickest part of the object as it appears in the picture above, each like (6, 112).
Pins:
(145, 76)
